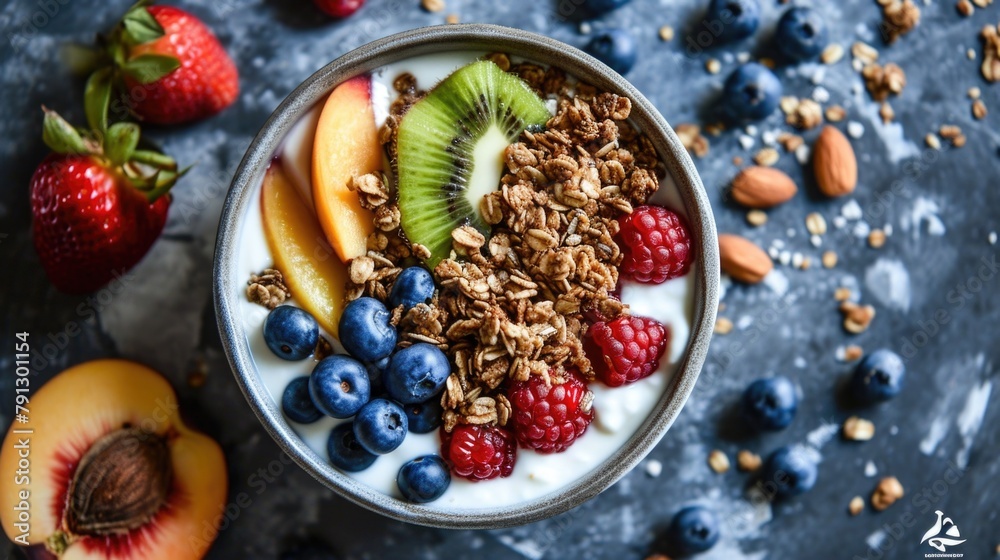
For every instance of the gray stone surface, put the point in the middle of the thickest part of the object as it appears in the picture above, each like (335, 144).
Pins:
(924, 283)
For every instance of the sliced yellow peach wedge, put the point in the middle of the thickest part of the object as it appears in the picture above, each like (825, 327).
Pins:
(110, 470)
(346, 145)
(315, 276)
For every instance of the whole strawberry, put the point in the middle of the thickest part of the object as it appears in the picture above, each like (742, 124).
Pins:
(98, 206)
(166, 66)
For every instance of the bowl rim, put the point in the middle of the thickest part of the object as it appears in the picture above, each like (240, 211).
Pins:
(482, 37)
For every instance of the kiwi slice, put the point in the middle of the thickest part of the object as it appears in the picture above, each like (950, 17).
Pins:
(450, 147)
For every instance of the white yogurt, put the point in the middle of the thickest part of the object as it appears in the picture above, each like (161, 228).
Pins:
(619, 411)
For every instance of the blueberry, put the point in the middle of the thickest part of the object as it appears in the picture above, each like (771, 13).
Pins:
(290, 332)
(615, 47)
(376, 373)
(424, 418)
(344, 450)
(598, 7)
(770, 403)
(339, 386)
(879, 377)
(416, 373)
(423, 479)
(414, 285)
(297, 403)
(732, 20)
(380, 426)
(751, 93)
(801, 34)
(694, 529)
(365, 331)
(790, 471)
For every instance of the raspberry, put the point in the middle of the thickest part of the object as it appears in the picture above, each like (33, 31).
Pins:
(626, 349)
(479, 452)
(549, 418)
(655, 243)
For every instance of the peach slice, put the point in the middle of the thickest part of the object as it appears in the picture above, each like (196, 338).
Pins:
(315, 276)
(113, 472)
(346, 145)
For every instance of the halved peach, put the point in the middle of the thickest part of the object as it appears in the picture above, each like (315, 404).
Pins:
(346, 145)
(315, 276)
(113, 472)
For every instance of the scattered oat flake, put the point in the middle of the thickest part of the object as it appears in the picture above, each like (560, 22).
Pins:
(876, 238)
(816, 223)
(886, 493)
(855, 129)
(829, 259)
(864, 52)
(666, 33)
(857, 505)
(887, 113)
(971, 54)
(747, 460)
(858, 429)
(979, 109)
(718, 461)
(766, 157)
(857, 318)
(992, 238)
(853, 352)
(692, 139)
(756, 218)
(713, 66)
(932, 141)
(723, 326)
(991, 53)
(654, 468)
(451, 19)
(432, 5)
(835, 113)
(832, 53)
(975, 93)
(899, 17)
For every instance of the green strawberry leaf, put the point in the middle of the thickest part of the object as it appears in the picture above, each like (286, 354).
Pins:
(147, 68)
(154, 159)
(60, 136)
(81, 59)
(121, 141)
(97, 98)
(140, 26)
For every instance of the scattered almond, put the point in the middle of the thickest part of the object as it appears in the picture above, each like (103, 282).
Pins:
(756, 218)
(857, 505)
(834, 163)
(857, 318)
(762, 187)
(858, 429)
(718, 461)
(723, 326)
(965, 7)
(748, 461)
(743, 260)
(886, 493)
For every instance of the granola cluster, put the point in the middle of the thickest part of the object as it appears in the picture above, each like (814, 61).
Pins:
(267, 288)
(517, 302)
